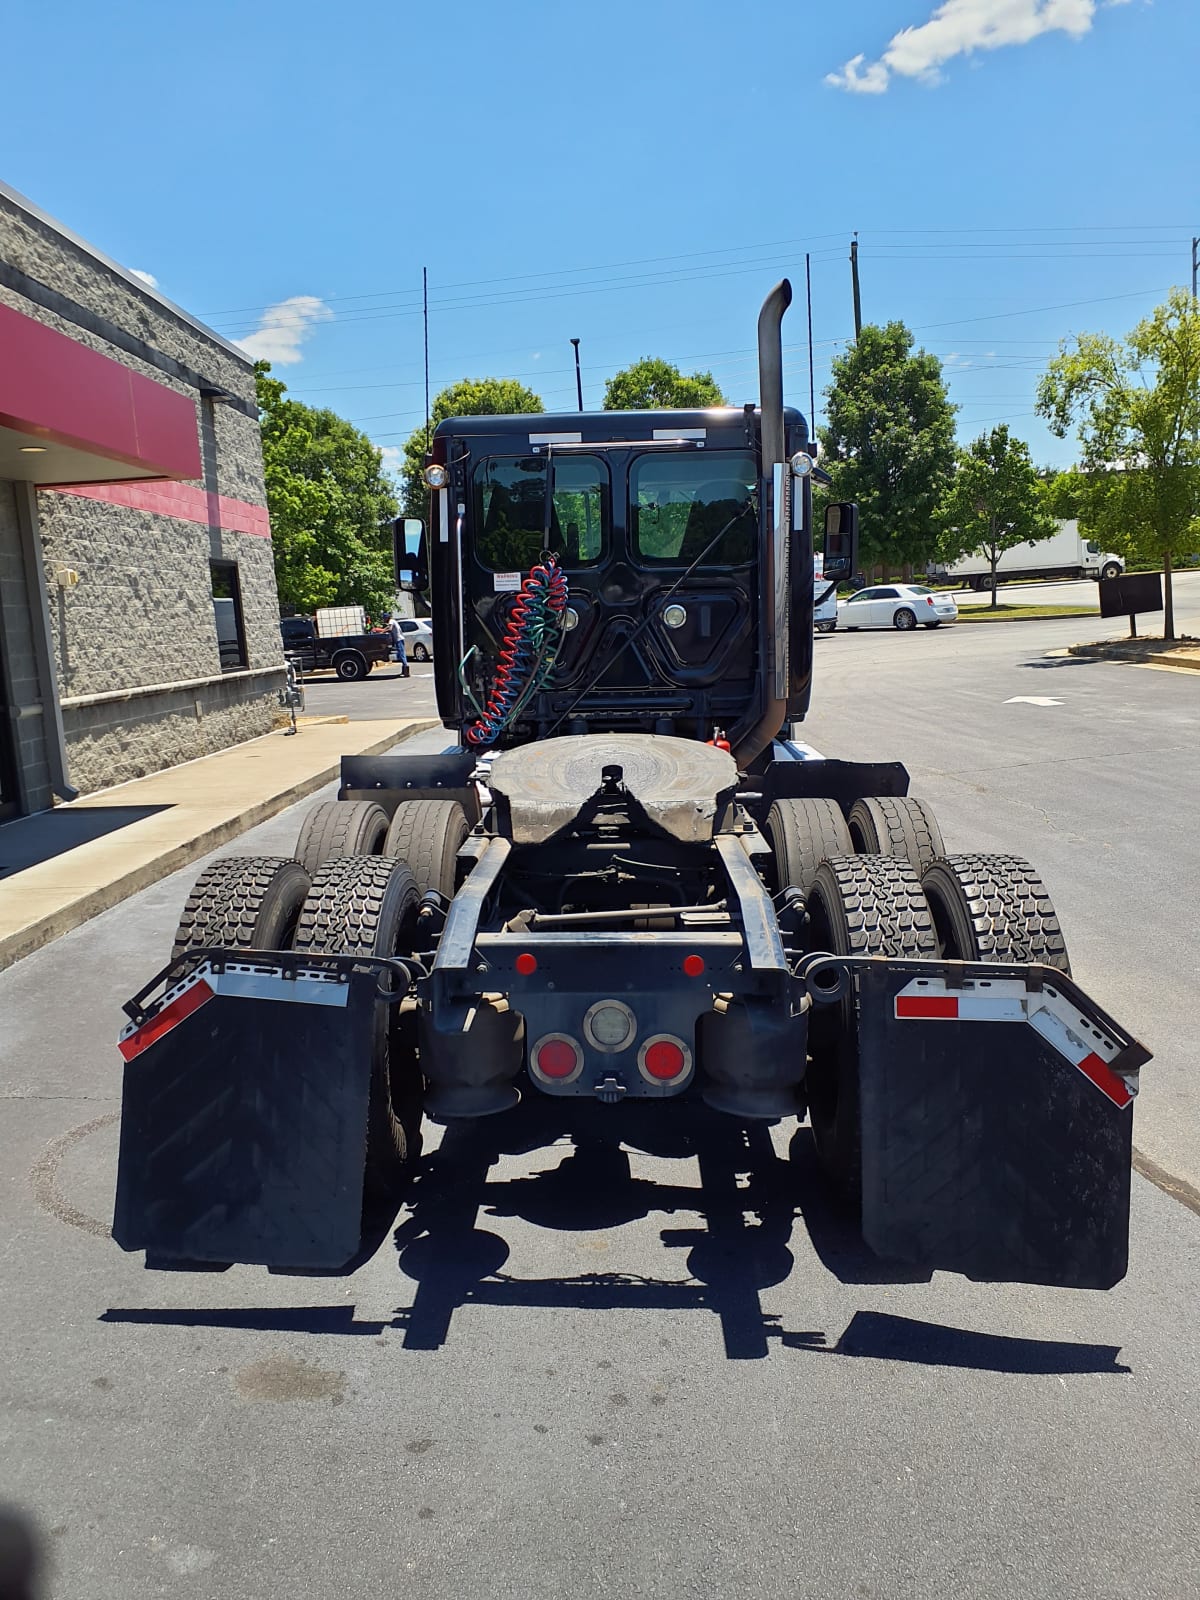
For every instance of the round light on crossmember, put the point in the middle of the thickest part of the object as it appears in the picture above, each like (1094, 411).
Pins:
(437, 476)
(675, 616)
(802, 463)
(570, 619)
(556, 1058)
(664, 1059)
(609, 1026)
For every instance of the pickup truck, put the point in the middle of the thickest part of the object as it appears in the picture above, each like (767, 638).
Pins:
(351, 655)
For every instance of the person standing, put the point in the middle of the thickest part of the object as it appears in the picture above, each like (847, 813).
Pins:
(399, 650)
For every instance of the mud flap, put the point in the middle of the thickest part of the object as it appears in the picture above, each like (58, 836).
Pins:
(244, 1118)
(996, 1125)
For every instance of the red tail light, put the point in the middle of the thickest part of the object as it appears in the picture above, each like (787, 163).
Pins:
(557, 1058)
(664, 1059)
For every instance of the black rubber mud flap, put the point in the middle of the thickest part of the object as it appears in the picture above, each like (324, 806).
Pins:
(1000, 1149)
(244, 1119)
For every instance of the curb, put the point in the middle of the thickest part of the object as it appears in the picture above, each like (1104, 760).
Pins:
(1161, 658)
(36, 935)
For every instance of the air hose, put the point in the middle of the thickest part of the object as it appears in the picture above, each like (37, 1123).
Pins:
(528, 653)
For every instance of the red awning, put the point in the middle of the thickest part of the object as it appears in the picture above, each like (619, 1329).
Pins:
(71, 415)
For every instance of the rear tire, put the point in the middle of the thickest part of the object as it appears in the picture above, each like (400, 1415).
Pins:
(802, 833)
(243, 903)
(341, 828)
(861, 906)
(428, 834)
(993, 908)
(351, 666)
(367, 906)
(893, 826)
(904, 620)
(419, 652)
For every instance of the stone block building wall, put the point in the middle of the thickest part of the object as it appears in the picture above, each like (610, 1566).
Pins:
(135, 642)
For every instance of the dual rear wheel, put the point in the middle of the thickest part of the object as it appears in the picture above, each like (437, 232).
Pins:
(895, 893)
(351, 905)
(354, 889)
(427, 834)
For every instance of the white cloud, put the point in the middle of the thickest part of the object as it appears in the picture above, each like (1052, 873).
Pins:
(959, 28)
(873, 81)
(146, 277)
(283, 328)
(393, 458)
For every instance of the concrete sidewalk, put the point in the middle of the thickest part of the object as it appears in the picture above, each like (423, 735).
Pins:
(61, 867)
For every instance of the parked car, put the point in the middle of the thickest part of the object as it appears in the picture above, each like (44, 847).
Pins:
(350, 655)
(895, 605)
(418, 637)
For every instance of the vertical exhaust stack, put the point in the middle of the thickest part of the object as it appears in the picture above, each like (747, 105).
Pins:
(770, 372)
(749, 741)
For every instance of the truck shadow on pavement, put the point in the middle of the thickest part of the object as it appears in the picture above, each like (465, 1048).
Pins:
(732, 1241)
(735, 1232)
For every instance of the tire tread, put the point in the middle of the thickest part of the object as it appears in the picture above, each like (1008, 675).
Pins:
(341, 828)
(897, 826)
(226, 903)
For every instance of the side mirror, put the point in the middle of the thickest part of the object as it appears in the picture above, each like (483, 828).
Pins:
(409, 554)
(840, 547)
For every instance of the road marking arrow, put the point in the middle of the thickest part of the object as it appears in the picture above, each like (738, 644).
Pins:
(1033, 700)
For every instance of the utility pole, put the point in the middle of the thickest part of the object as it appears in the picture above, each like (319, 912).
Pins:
(1195, 264)
(812, 392)
(854, 280)
(425, 311)
(578, 375)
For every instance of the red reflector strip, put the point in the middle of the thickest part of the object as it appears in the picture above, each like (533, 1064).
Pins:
(1101, 1074)
(182, 1007)
(927, 1005)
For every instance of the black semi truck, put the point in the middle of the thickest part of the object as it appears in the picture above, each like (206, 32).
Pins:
(626, 879)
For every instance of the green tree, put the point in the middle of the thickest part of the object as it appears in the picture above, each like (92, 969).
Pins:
(889, 442)
(469, 397)
(994, 501)
(1135, 403)
(656, 385)
(330, 502)
(1063, 493)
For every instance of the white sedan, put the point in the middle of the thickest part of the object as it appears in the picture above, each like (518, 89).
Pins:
(418, 637)
(896, 605)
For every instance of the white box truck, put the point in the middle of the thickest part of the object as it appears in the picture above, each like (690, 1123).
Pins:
(1066, 554)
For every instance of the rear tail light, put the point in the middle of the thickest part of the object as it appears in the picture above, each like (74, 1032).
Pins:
(556, 1058)
(928, 599)
(664, 1059)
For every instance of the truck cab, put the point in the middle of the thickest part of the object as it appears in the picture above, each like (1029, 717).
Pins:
(690, 590)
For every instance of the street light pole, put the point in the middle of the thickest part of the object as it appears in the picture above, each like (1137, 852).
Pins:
(578, 376)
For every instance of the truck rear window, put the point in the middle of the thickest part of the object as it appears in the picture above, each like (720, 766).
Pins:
(681, 504)
(510, 511)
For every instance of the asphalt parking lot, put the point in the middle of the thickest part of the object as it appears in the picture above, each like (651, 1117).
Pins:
(648, 1359)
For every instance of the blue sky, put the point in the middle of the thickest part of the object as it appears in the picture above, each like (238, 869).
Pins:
(635, 173)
